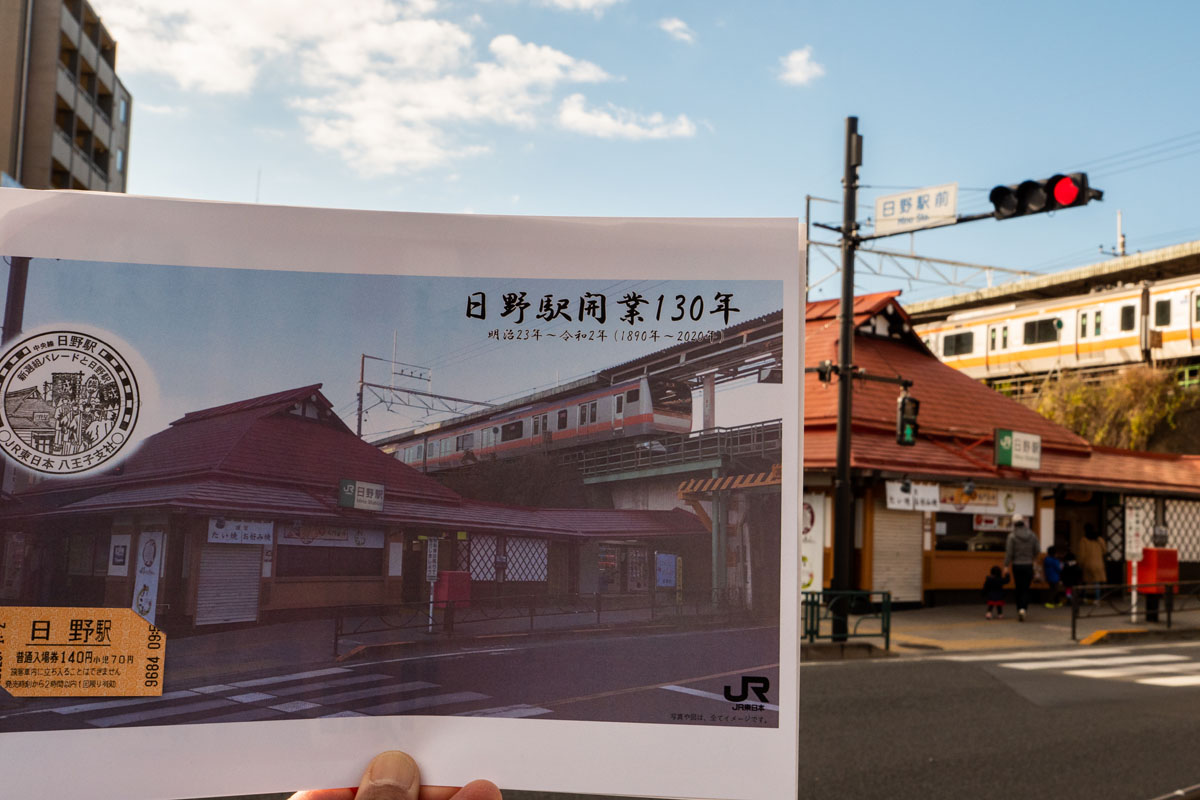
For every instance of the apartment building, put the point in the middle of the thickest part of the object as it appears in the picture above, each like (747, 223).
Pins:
(64, 113)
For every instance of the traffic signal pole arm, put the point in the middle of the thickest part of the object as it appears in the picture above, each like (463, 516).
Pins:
(962, 218)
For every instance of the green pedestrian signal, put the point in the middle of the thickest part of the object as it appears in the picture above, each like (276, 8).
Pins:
(906, 420)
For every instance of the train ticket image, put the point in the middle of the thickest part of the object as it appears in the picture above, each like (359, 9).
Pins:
(516, 495)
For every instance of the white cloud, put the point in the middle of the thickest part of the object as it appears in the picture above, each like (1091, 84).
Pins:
(597, 7)
(798, 67)
(163, 110)
(381, 83)
(620, 123)
(677, 29)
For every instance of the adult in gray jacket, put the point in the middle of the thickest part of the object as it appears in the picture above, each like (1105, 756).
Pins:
(1020, 551)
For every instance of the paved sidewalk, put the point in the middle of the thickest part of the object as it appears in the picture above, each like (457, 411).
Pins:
(964, 628)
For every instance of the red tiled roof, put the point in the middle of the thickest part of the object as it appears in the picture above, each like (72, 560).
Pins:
(957, 417)
(271, 402)
(205, 496)
(259, 439)
(951, 402)
(217, 497)
(256, 457)
(625, 523)
(865, 307)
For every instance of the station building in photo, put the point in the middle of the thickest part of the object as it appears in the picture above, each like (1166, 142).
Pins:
(272, 506)
(932, 517)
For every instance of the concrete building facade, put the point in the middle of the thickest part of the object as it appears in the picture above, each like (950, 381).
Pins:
(64, 114)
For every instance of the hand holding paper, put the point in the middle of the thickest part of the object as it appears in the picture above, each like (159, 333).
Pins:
(393, 775)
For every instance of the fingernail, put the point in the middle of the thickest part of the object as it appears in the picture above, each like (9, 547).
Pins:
(392, 768)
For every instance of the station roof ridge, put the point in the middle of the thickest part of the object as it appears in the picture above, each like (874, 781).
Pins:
(271, 401)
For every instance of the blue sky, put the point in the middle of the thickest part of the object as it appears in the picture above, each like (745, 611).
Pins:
(640, 108)
(214, 336)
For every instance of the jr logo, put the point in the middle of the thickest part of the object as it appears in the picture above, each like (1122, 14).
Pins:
(750, 683)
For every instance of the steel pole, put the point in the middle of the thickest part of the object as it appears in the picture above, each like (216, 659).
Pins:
(362, 378)
(843, 533)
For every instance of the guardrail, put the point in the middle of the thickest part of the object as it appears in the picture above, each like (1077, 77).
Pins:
(1093, 601)
(519, 613)
(762, 439)
(855, 608)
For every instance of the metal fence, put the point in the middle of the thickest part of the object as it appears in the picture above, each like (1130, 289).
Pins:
(864, 614)
(762, 439)
(540, 612)
(1158, 602)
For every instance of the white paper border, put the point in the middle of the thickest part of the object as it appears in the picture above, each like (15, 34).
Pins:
(668, 760)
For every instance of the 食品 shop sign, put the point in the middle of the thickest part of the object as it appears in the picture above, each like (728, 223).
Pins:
(240, 531)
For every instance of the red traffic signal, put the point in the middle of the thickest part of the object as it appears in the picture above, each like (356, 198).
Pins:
(1051, 194)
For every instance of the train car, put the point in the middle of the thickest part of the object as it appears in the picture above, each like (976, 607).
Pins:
(1151, 321)
(639, 409)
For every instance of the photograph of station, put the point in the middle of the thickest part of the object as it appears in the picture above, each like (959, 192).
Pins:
(609, 509)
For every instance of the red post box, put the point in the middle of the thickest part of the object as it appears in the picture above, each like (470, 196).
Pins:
(454, 586)
(1158, 565)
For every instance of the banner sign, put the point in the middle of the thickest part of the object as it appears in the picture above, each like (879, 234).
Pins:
(919, 497)
(814, 531)
(239, 531)
(330, 536)
(148, 561)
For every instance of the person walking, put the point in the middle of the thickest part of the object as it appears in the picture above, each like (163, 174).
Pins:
(1020, 552)
(993, 593)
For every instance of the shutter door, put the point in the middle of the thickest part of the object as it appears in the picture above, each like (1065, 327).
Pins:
(896, 565)
(229, 580)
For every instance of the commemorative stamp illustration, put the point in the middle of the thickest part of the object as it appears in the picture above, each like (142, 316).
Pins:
(71, 402)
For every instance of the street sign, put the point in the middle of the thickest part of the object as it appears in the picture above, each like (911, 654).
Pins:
(1133, 545)
(1016, 449)
(431, 560)
(916, 209)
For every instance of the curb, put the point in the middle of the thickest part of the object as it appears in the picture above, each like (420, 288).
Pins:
(842, 651)
(389, 648)
(1140, 635)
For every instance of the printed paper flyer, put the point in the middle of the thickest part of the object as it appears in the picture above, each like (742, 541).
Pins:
(287, 487)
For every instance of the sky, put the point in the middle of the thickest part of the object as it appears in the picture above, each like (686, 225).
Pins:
(202, 337)
(670, 108)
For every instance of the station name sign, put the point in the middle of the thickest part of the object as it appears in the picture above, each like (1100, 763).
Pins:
(1019, 450)
(916, 209)
(361, 495)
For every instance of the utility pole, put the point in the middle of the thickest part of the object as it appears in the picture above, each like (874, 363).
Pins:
(843, 515)
(14, 304)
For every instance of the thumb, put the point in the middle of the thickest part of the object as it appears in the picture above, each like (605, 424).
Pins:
(392, 775)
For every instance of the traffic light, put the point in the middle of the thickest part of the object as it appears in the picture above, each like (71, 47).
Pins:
(1051, 194)
(906, 420)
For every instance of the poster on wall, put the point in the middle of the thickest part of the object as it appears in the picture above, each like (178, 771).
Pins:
(479, 382)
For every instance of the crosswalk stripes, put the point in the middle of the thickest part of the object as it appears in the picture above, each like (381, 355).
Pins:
(328, 693)
(1110, 663)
